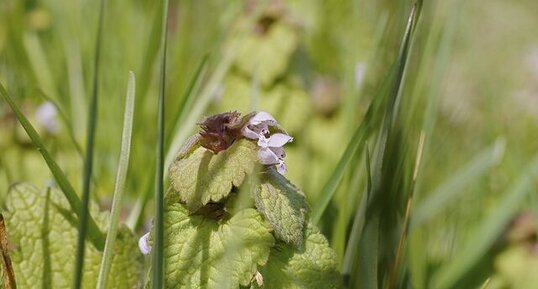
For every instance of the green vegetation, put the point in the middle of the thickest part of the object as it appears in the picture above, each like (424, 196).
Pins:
(413, 162)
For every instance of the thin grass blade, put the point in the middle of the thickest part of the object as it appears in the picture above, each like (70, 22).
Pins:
(188, 99)
(405, 228)
(88, 159)
(351, 255)
(364, 269)
(158, 243)
(362, 131)
(119, 186)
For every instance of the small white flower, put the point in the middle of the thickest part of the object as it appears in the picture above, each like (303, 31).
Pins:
(46, 115)
(275, 140)
(258, 125)
(271, 150)
(144, 245)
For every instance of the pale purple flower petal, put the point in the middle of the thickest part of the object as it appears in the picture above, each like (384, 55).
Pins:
(278, 140)
(248, 133)
(258, 125)
(143, 244)
(271, 151)
(267, 157)
(263, 117)
(275, 140)
(282, 168)
(279, 152)
(263, 141)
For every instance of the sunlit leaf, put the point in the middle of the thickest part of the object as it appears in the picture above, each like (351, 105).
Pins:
(203, 176)
(206, 253)
(313, 267)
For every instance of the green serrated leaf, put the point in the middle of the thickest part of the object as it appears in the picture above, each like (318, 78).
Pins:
(202, 176)
(313, 267)
(205, 253)
(284, 206)
(45, 243)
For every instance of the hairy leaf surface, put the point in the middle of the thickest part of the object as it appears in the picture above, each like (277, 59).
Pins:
(313, 267)
(206, 253)
(284, 206)
(202, 176)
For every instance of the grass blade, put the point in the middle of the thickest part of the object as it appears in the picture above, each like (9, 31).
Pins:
(362, 131)
(330, 187)
(188, 98)
(94, 234)
(405, 227)
(370, 235)
(119, 186)
(158, 243)
(351, 255)
(453, 187)
(485, 236)
(88, 160)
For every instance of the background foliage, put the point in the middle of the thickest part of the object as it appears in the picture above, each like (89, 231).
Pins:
(469, 88)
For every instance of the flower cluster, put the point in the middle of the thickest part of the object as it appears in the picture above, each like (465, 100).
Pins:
(271, 150)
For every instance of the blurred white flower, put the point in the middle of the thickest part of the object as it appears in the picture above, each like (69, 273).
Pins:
(360, 71)
(144, 245)
(47, 116)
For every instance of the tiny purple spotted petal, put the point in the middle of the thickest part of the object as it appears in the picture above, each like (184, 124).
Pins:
(143, 244)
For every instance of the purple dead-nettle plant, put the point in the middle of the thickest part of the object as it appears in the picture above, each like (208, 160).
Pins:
(220, 131)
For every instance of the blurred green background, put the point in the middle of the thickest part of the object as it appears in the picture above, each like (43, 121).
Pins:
(471, 84)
